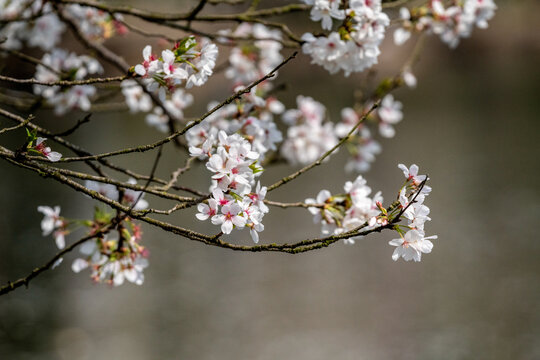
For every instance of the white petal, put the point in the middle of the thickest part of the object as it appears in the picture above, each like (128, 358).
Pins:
(78, 265)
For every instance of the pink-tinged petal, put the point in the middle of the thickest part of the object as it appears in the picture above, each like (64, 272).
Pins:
(413, 170)
(54, 156)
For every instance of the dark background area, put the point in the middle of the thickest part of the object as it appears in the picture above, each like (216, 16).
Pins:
(471, 124)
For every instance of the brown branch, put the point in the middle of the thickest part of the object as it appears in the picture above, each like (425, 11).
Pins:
(63, 82)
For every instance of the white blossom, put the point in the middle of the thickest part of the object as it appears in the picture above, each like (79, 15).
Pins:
(412, 245)
(45, 150)
(355, 51)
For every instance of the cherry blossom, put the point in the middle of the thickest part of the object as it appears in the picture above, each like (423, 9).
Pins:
(324, 11)
(249, 63)
(111, 264)
(53, 223)
(412, 245)
(78, 67)
(189, 60)
(45, 150)
(348, 211)
(451, 24)
(308, 137)
(356, 46)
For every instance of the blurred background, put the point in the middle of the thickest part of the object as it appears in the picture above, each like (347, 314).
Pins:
(471, 124)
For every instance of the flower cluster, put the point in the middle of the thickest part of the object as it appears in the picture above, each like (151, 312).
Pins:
(355, 46)
(412, 242)
(113, 261)
(189, 60)
(44, 31)
(233, 203)
(308, 136)
(45, 28)
(348, 211)
(450, 24)
(252, 61)
(66, 66)
(251, 116)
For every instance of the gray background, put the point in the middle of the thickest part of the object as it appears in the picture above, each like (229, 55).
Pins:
(471, 124)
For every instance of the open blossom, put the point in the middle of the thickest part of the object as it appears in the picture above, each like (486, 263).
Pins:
(45, 150)
(150, 64)
(229, 217)
(251, 117)
(205, 64)
(354, 51)
(324, 11)
(232, 203)
(53, 223)
(207, 211)
(412, 245)
(189, 60)
(411, 174)
(348, 211)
